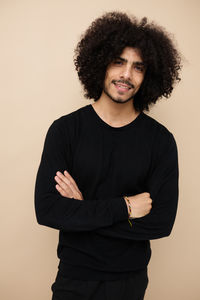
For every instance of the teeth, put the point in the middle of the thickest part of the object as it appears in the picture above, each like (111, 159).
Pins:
(122, 86)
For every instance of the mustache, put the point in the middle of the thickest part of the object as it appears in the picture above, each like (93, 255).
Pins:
(124, 82)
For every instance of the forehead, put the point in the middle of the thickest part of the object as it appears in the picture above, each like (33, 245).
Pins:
(131, 54)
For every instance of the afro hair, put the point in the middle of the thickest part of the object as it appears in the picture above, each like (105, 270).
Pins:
(105, 40)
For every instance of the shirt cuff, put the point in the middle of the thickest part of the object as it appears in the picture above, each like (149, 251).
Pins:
(119, 209)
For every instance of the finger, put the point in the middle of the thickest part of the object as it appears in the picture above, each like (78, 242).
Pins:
(62, 177)
(65, 184)
(71, 179)
(60, 190)
(62, 183)
(68, 195)
(63, 192)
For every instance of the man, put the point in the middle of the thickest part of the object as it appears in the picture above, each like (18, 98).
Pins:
(108, 176)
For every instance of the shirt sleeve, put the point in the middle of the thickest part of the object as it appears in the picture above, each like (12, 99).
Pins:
(162, 184)
(63, 213)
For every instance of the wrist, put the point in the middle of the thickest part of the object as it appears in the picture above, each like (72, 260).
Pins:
(128, 204)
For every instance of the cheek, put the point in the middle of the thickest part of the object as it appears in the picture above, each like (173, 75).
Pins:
(138, 84)
(111, 74)
(108, 80)
(139, 79)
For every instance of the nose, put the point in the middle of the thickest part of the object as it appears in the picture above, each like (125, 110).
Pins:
(126, 73)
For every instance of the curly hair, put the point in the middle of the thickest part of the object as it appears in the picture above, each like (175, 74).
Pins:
(105, 40)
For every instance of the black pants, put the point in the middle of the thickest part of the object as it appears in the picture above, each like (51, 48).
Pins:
(132, 288)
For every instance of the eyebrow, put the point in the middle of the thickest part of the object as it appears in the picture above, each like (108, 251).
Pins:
(138, 63)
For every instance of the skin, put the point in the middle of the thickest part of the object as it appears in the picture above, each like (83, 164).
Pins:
(128, 70)
(123, 79)
(67, 186)
(115, 105)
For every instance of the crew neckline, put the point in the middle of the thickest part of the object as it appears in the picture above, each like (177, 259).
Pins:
(106, 125)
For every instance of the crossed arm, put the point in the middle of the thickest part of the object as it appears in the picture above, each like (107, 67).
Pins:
(59, 203)
(141, 204)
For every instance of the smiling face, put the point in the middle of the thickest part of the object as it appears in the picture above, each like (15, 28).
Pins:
(124, 76)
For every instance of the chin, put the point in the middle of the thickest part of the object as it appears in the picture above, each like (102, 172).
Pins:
(121, 100)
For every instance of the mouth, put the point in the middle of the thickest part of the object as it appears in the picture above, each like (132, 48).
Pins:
(121, 87)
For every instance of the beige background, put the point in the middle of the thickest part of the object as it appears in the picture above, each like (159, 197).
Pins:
(37, 85)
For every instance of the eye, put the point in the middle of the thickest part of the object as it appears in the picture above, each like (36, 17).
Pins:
(117, 62)
(139, 68)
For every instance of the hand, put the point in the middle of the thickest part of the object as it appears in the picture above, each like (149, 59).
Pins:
(141, 205)
(67, 186)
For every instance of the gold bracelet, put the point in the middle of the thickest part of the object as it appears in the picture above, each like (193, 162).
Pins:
(129, 206)
(129, 210)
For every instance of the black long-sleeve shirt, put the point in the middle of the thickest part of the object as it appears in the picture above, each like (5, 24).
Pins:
(96, 241)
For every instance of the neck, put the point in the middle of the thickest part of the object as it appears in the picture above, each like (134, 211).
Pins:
(115, 114)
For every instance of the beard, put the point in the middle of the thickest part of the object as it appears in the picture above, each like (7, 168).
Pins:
(117, 99)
